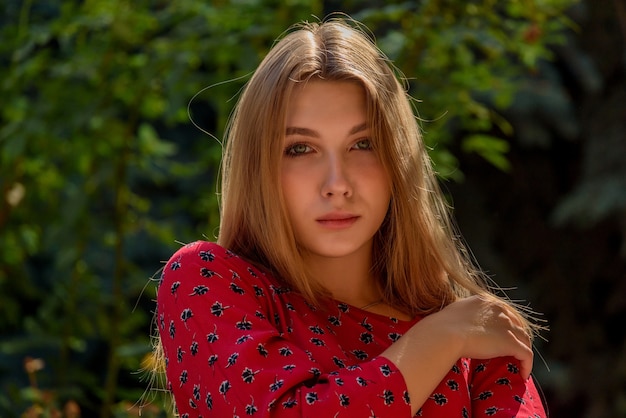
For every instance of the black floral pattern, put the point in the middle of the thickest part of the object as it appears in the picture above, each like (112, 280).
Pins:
(243, 344)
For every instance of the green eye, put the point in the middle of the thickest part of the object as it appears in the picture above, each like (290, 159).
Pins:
(297, 149)
(363, 144)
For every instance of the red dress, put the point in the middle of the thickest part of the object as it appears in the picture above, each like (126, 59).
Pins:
(238, 343)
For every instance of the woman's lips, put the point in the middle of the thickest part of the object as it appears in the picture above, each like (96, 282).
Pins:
(337, 221)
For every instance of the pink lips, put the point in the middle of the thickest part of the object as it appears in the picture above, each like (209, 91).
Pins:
(337, 220)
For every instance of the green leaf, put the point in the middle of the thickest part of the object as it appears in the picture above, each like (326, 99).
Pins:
(491, 148)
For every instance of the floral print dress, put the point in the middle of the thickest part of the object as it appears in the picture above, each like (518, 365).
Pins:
(239, 343)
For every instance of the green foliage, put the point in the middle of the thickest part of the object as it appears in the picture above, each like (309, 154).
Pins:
(101, 173)
(463, 61)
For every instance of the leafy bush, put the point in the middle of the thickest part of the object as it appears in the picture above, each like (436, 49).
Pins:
(101, 171)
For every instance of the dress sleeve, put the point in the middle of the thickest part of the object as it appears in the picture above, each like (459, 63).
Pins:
(497, 389)
(226, 357)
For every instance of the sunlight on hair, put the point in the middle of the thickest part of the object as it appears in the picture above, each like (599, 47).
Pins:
(204, 90)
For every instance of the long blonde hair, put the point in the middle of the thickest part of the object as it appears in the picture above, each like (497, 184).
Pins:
(420, 259)
(418, 255)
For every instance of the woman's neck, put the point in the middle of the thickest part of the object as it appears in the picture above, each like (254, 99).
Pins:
(349, 279)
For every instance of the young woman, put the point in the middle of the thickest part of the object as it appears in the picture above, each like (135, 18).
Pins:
(337, 287)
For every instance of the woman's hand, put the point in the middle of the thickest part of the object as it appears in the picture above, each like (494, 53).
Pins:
(487, 328)
(476, 327)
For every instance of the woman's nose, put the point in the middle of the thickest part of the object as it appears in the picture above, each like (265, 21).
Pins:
(336, 180)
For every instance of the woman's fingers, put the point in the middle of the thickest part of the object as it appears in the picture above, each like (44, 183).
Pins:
(525, 353)
(491, 328)
(521, 343)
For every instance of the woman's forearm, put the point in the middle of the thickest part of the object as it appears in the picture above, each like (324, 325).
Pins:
(475, 327)
(424, 355)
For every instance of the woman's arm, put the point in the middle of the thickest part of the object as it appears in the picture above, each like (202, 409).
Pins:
(499, 390)
(475, 327)
(227, 354)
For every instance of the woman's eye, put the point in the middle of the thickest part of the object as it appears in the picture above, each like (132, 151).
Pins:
(297, 149)
(363, 144)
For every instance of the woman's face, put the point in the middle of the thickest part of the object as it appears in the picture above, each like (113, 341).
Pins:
(335, 188)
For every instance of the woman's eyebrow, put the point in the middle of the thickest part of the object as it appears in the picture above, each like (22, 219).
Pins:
(296, 130)
(358, 128)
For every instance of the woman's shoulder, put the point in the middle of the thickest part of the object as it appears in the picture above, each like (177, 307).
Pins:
(211, 260)
(204, 249)
(202, 269)
(204, 252)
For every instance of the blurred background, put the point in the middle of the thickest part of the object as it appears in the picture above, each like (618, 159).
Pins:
(102, 174)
